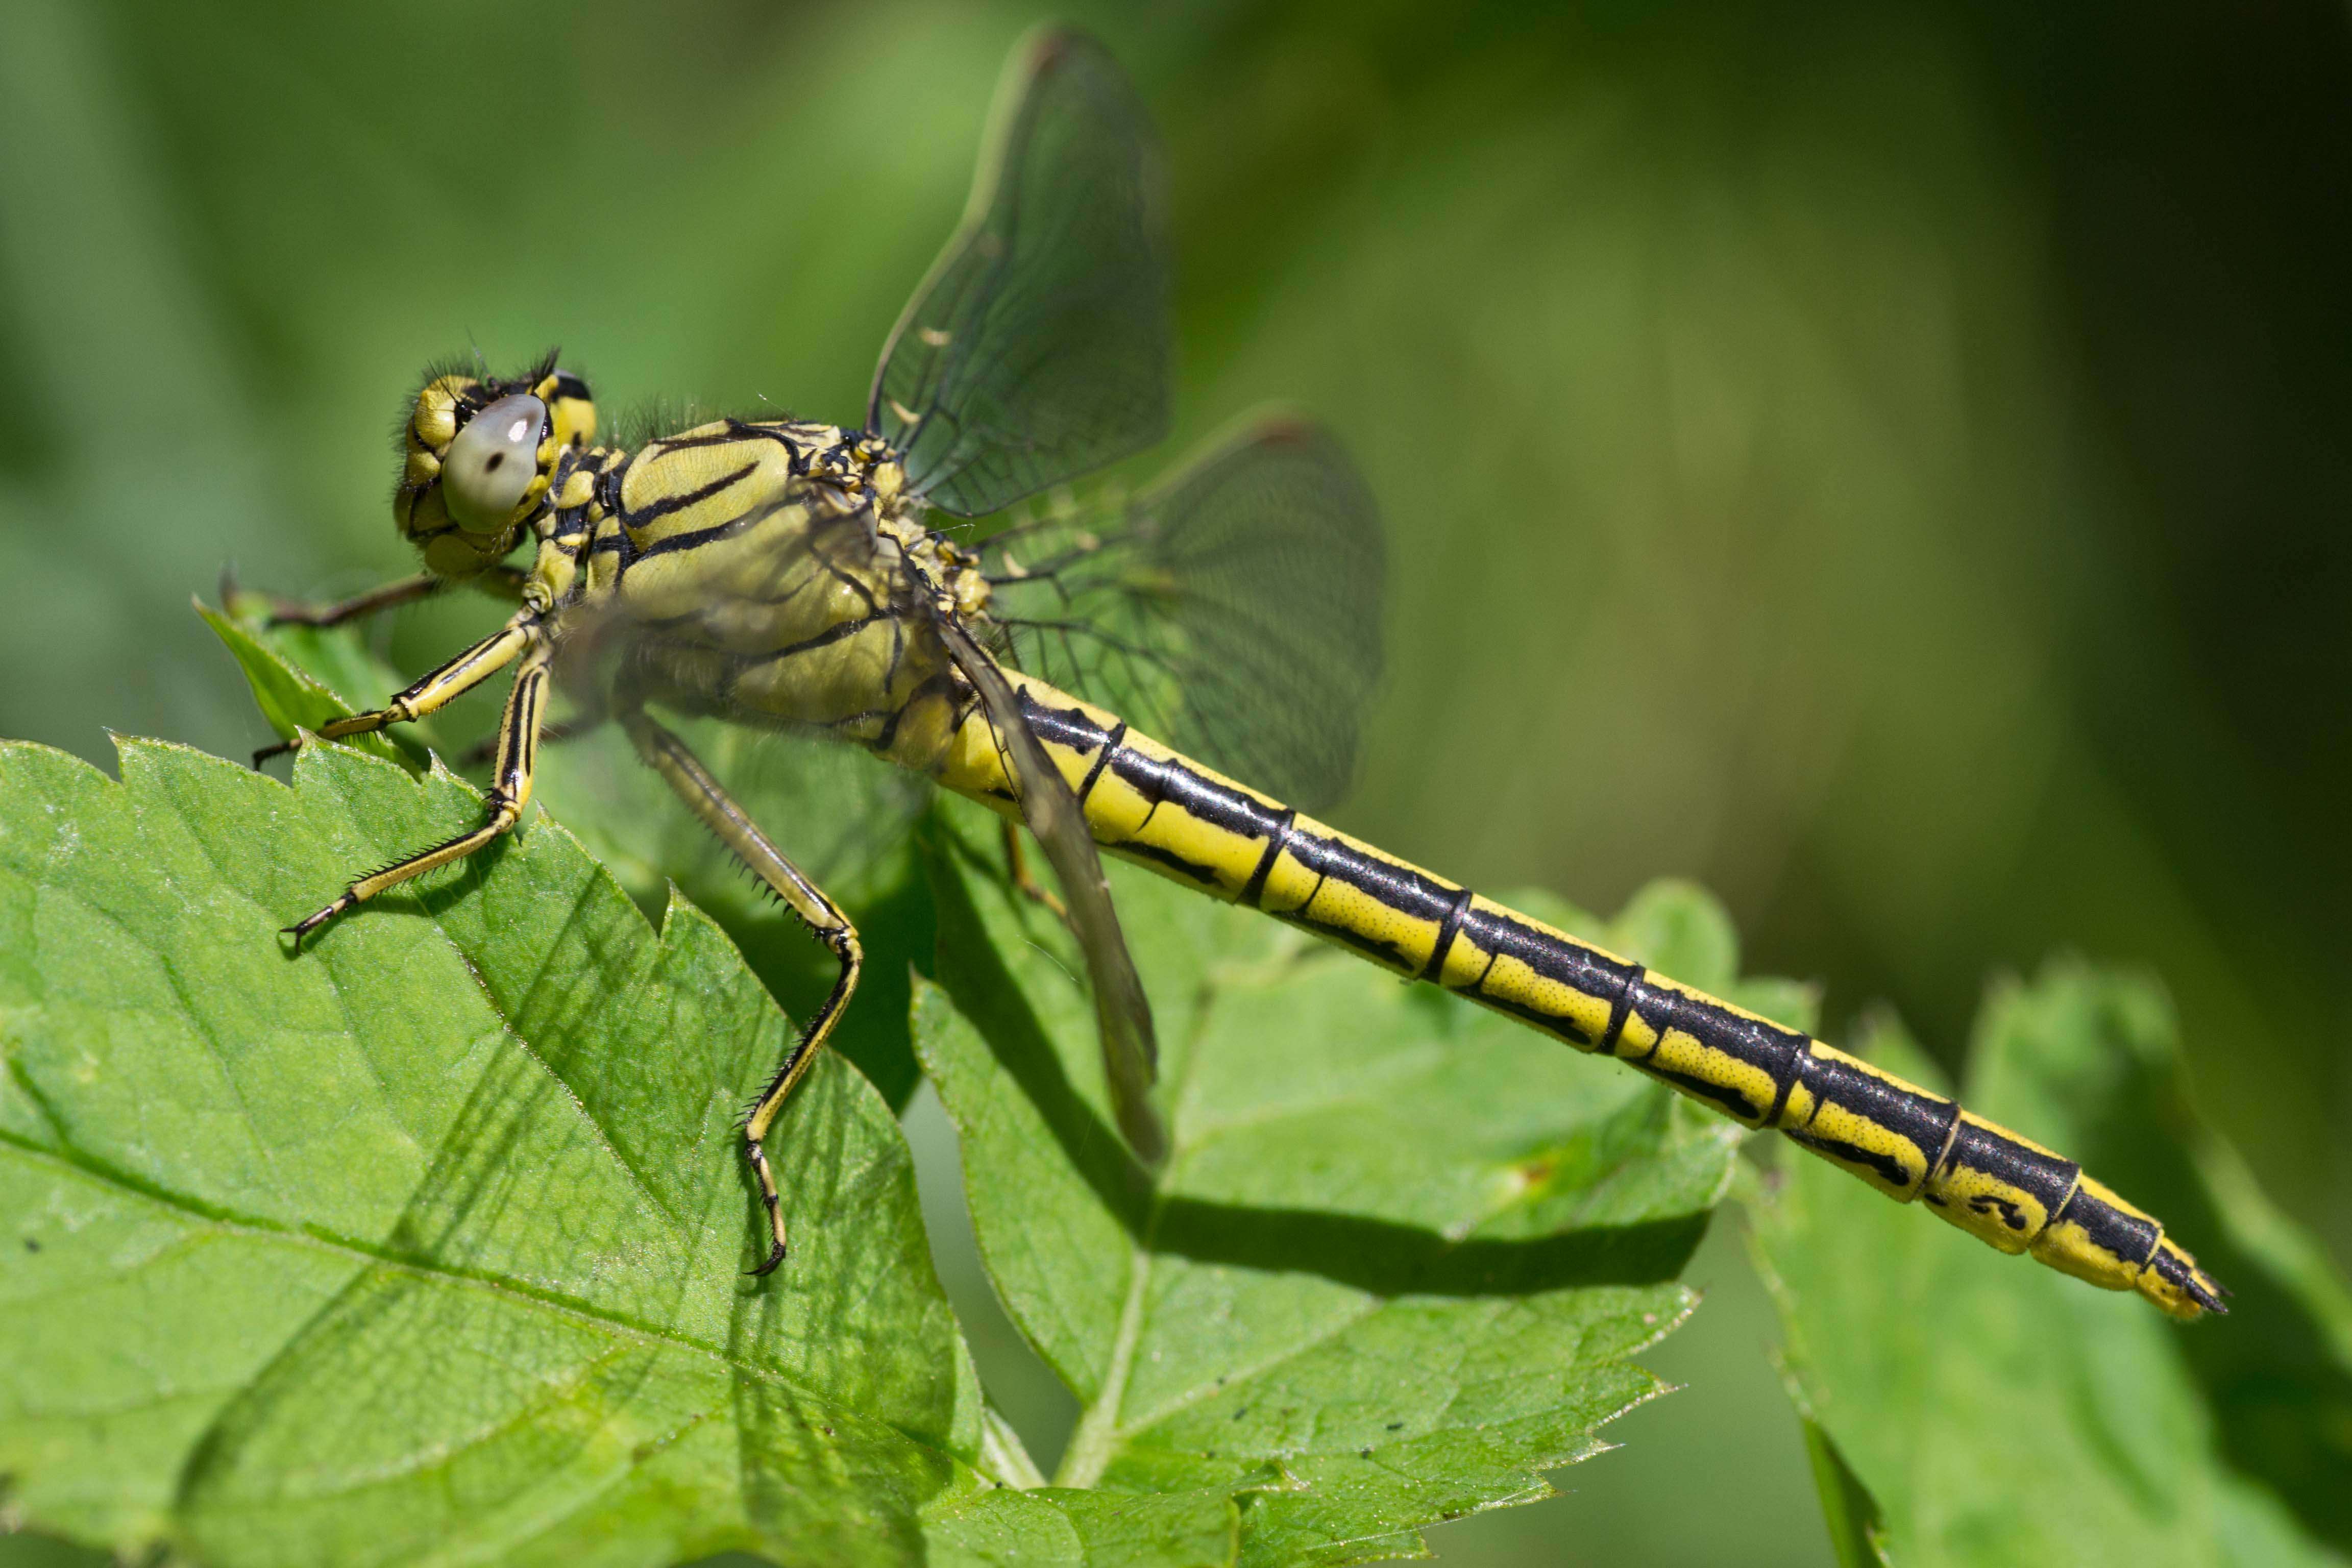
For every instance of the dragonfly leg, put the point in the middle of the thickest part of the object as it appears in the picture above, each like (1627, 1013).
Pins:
(554, 733)
(434, 691)
(669, 756)
(500, 582)
(1017, 865)
(502, 809)
(407, 590)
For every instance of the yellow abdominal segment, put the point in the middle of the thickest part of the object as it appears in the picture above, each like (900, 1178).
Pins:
(1161, 810)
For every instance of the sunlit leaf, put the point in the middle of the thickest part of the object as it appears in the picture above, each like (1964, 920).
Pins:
(431, 1236)
(1402, 1252)
(844, 817)
(297, 695)
(1993, 1412)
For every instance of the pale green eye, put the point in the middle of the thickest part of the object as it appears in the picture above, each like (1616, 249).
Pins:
(492, 463)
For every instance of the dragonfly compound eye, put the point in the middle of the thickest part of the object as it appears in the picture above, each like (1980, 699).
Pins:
(492, 462)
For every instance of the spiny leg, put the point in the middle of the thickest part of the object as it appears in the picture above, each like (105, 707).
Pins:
(509, 792)
(434, 691)
(554, 733)
(669, 756)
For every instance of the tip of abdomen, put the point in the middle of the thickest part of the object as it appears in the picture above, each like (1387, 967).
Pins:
(2100, 1238)
(2174, 1282)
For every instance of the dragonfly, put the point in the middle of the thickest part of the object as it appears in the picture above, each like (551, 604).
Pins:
(1105, 674)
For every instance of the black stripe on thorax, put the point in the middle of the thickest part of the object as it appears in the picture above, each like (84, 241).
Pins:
(611, 539)
(739, 430)
(637, 516)
(825, 638)
(695, 538)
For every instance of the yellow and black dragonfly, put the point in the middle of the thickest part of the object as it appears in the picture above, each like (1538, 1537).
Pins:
(788, 573)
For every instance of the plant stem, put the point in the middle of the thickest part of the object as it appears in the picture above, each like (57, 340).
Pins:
(1096, 1441)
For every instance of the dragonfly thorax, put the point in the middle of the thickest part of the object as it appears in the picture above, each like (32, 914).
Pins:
(774, 571)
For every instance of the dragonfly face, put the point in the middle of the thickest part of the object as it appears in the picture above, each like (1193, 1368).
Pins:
(479, 454)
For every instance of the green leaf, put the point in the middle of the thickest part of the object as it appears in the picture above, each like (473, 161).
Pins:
(843, 819)
(1857, 1534)
(430, 1239)
(1403, 1248)
(293, 698)
(1094, 1528)
(1995, 1412)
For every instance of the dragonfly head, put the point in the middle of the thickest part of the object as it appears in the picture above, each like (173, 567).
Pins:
(479, 454)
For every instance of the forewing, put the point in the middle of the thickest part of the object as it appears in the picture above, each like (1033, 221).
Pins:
(1037, 349)
(1122, 1014)
(1232, 611)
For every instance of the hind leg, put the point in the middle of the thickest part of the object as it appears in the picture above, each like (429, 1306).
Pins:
(683, 771)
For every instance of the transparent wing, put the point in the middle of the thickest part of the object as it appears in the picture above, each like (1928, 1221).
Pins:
(1232, 611)
(1122, 1014)
(839, 813)
(1037, 349)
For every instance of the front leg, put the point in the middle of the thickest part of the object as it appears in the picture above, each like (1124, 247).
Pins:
(437, 689)
(501, 582)
(669, 756)
(509, 792)
(407, 590)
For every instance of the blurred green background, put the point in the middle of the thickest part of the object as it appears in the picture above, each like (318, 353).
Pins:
(1886, 462)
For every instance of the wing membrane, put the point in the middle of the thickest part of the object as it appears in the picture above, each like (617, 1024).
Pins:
(1122, 1014)
(1037, 349)
(1233, 610)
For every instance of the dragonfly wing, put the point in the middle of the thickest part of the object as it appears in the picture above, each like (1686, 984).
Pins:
(839, 813)
(1037, 349)
(1233, 610)
(1123, 1015)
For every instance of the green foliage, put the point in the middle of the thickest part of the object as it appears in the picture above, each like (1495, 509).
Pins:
(427, 1241)
(1998, 1413)
(431, 1235)
(1400, 1253)
(301, 688)
(841, 816)
(1857, 1533)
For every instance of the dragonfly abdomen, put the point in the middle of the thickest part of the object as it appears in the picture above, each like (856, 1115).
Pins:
(1155, 807)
